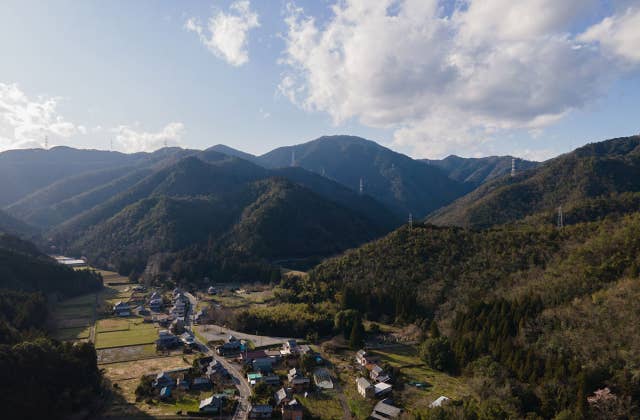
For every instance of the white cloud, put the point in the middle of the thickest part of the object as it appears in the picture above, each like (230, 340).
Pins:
(618, 35)
(131, 139)
(264, 114)
(446, 81)
(226, 34)
(25, 122)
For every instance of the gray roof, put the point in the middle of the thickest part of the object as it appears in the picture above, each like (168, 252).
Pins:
(362, 382)
(385, 407)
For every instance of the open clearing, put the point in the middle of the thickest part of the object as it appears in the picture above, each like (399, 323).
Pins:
(72, 334)
(123, 354)
(137, 334)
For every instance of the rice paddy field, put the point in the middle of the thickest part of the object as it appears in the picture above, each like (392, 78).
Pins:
(121, 332)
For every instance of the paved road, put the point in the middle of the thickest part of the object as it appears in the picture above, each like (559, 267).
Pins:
(217, 332)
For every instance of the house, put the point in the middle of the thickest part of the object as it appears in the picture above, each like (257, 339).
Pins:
(249, 356)
(212, 290)
(187, 338)
(142, 311)
(165, 393)
(253, 378)
(365, 389)
(282, 396)
(386, 410)
(121, 309)
(297, 381)
(381, 389)
(139, 288)
(305, 349)
(322, 379)
(261, 411)
(230, 348)
(182, 383)
(378, 374)
(155, 305)
(179, 309)
(292, 410)
(163, 380)
(204, 362)
(439, 401)
(200, 316)
(213, 404)
(263, 364)
(290, 347)
(363, 358)
(215, 371)
(271, 379)
(166, 340)
(201, 384)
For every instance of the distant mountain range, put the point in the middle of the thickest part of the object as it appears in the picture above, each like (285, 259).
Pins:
(477, 171)
(294, 202)
(598, 174)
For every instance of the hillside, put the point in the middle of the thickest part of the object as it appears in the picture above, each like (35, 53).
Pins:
(403, 184)
(9, 224)
(230, 151)
(546, 305)
(477, 171)
(229, 206)
(596, 170)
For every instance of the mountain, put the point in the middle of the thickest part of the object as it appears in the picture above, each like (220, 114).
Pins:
(230, 151)
(533, 304)
(30, 170)
(9, 224)
(403, 184)
(24, 268)
(604, 169)
(477, 171)
(228, 205)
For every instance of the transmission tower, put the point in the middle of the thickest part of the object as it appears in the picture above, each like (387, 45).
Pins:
(410, 221)
(361, 189)
(293, 158)
(46, 142)
(560, 218)
(513, 166)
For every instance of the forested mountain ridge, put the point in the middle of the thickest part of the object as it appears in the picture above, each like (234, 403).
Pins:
(517, 295)
(477, 171)
(601, 169)
(227, 204)
(403, 184)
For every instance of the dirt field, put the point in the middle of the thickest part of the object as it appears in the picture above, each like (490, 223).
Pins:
(123, 354)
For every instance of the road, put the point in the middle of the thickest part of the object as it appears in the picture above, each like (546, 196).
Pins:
(217, 332)
(244, 390)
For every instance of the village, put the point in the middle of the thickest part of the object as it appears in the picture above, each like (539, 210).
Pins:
(165, 355)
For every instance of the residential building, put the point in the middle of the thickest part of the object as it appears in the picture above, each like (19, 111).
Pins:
(297, 380)
(121, 309)
(166, 340)
(261, 411)
(282, 396)
(385, 409)
(163, 380)
(292, 411)
(381, 389)
(165, 393)
(365, 389)
(201, 384)
(263, 364)
(213, 404)
(290, 347)
(322, 379)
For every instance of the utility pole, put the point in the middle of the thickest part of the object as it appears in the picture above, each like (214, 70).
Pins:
(560, 218)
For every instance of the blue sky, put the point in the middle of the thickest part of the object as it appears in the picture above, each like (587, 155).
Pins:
(86, 73)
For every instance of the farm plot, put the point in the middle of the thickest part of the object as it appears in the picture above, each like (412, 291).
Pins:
(114, 334)
(73, 318)
(123, 354)
(72, 334)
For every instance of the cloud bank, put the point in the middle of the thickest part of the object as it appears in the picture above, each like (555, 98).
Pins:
(447, 79)
(25, 122)
(131, 139)
(226, 34)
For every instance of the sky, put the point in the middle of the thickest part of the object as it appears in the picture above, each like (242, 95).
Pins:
(428, 78)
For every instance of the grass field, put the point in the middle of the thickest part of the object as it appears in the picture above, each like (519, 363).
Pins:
(136, 334)
(124, 354)
(325, 405)
(412, 369)
(72, 334)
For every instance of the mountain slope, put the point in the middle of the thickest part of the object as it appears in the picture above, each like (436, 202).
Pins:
(230, 151)
(27, 171)
(9, 224)
(403, 184)
(595, 170)
(477, 171)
